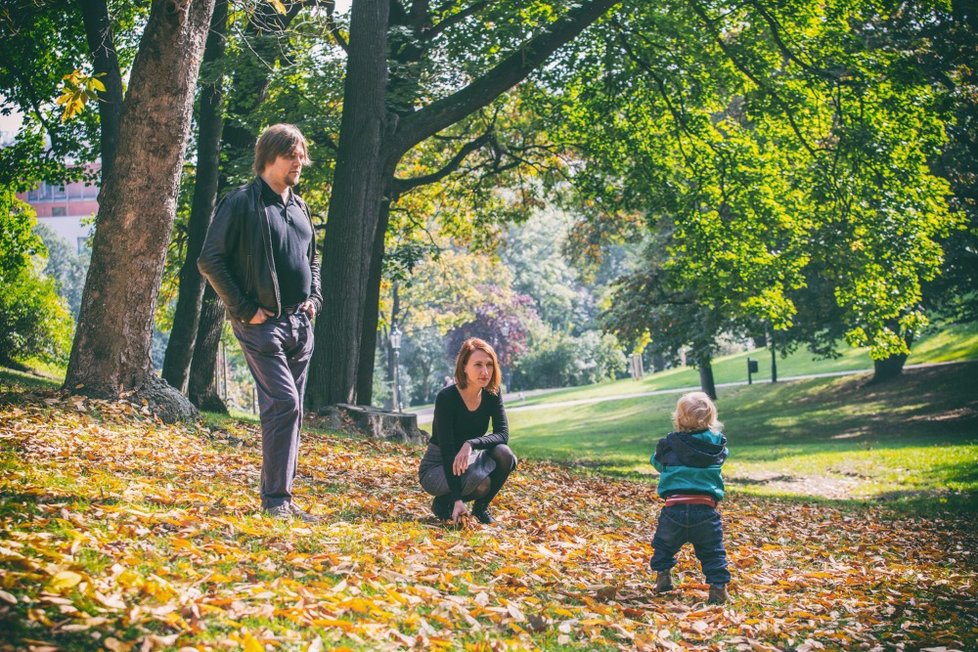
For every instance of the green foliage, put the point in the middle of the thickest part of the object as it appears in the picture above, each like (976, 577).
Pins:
(34, 322)
(775, 149)
(426, 362)
(45, 56)
(535, 253)
(19, 241)
(65, 266)
(557, 359)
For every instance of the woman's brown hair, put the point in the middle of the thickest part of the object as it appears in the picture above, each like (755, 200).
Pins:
(279, 140)
(470, 346)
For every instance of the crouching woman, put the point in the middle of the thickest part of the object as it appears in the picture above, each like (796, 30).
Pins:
(465, 460)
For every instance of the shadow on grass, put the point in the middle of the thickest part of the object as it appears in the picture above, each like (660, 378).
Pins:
(25, 505)
(937, 401)
(13, 381)
(926, 502)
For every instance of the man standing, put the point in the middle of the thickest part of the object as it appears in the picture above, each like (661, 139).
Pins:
(260, 257)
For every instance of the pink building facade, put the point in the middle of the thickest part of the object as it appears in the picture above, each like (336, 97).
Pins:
(67, 209)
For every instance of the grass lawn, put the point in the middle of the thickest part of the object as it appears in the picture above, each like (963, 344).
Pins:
(13, 380)
(912, 443)
(959, 342)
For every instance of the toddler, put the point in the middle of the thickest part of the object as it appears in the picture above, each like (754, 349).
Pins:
(689, 461)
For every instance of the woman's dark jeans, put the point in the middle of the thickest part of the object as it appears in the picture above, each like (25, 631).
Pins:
(696, 524)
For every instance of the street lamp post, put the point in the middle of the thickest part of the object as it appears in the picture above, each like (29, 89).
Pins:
(504, 331)
(395, 339)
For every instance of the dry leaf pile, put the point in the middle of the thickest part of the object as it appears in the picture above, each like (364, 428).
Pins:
(118, 532)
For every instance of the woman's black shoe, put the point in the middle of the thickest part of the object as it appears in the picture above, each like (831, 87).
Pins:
(482, 515)
(441, 507)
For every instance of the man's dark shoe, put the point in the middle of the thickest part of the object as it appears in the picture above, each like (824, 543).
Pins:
(663, 581)
(481, 514)
(441, 507)
(283, 511)
(718, 594)
(304, 516)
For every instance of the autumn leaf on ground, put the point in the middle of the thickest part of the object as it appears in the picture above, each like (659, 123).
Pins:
(125, 534)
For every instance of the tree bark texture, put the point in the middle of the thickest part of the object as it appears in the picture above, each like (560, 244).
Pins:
(368, 343)
(105, 63)
(354, 210)
(371, 145)
(186, 318)
(201, 388)
(110, 353)
(888, 368)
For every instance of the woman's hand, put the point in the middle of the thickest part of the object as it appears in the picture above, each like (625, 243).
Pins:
(462, 459)
(458, 511)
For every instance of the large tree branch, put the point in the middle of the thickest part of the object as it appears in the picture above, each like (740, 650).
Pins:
(453, 20)
(402, 185)
(445, 112)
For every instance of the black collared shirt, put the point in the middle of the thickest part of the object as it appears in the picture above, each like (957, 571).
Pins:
(292, 235)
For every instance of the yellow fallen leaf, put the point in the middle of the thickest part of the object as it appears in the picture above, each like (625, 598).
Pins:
(251, 644)
(64, 580)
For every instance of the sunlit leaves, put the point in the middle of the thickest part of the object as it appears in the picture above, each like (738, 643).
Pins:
(79, 89)
(782, 150)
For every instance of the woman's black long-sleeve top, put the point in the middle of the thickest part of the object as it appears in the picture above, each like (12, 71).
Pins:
(454, 424)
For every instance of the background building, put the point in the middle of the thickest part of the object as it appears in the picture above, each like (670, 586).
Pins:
(66, 209)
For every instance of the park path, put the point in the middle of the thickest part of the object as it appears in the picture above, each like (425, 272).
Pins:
(511, 400)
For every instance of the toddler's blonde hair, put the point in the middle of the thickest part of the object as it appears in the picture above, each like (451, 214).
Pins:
(695, 412)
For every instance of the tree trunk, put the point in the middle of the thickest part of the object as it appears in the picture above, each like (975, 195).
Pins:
(105, 63)
(201, 388)
(891, 367)
(354, 210)
(186, 318)
(111, 349)
(705, 367)
(369, 151)
(888, 368)
(371, 318)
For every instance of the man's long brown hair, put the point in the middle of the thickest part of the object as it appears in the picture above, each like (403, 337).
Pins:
(279, 140)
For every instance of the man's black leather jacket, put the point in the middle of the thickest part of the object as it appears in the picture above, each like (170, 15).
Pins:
(237, 255)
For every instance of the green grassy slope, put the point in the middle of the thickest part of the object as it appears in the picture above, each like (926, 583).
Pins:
(951, 343)
(914, 439)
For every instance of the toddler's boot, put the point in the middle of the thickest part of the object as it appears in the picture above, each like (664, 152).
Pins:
(718, 594)
(663, 581)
